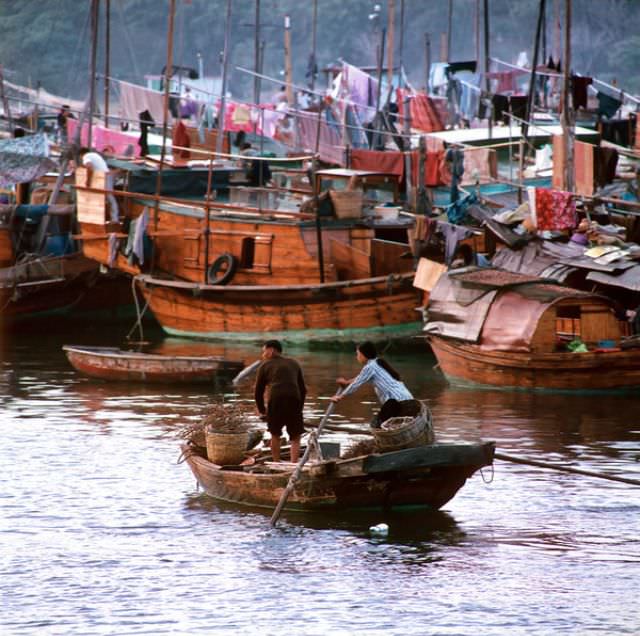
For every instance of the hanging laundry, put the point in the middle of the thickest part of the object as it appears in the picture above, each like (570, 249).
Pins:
(24, 159)
(579, 90)
(616, 131)
(470, 97)
(507, 80)
(607, 105)
(181, 141)
(146, 122)
(500, 106)
(437, 77)
(456, 67)
(555, 210)
(424, 115)
(135, 99)
(380, 161)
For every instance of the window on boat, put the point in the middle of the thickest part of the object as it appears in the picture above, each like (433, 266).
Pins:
(248, 253)
(567, 322)
(333, 184)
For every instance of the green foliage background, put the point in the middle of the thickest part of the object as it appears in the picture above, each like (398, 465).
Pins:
(47, 41)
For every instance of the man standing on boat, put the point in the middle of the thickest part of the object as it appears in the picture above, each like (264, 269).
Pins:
(282, 378)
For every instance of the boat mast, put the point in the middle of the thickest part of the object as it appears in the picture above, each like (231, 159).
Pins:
(312, 61)
(401, 60)
(5, 101)
(165, 114)
(225, 64)
(256, 55)
(107, 55)
(567, 106)
(391, 15)
(288, 69)
(487, 61)
(92, 68)
(532, 87)
(447, 57)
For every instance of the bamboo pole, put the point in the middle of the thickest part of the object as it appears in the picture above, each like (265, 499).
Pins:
(391, 17)
(568, 130)
(314, 185)
(487, 61)
(107, 60)
(565, 469)
(5, 101)
(427, 61)
(312, 443)
(401, 55)
(314, 30)
(256, 55)
(165, 113)
(92, 68)
(288, 68)
(225, 66)
(449, 28)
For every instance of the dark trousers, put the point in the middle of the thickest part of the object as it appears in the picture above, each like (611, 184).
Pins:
(396, 408)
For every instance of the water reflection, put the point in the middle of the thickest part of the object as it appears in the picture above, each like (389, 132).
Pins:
(102, 532)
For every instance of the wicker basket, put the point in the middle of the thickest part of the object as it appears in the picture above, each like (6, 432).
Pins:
(226, 448)
(347, 203)
(397, 433)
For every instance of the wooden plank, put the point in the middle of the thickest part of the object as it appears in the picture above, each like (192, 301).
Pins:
(431, 456)
(349, 262)
(387, 257)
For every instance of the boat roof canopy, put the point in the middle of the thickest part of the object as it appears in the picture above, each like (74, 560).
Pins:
(347, 173)
(496, 308)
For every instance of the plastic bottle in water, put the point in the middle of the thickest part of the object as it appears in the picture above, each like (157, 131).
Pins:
(379, 530)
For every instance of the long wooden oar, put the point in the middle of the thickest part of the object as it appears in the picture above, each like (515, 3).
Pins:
(246, 371)
(565, 469)
(313, 437)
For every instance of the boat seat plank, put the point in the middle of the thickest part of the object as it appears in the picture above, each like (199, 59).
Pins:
(429, 456)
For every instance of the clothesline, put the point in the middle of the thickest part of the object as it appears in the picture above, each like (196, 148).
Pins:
(549, 74)
(470, 85)
(224, 155)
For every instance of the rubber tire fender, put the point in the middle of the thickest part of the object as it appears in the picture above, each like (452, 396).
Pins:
(222, 270)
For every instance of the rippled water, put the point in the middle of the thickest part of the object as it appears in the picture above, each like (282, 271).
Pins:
(103, 532)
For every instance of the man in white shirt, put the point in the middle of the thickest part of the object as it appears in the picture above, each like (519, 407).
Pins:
(96, 163)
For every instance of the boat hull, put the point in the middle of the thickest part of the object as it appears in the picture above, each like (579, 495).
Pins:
(602, 370)
(114, 364)
(427, 476)
(304, 312)
(45, 286)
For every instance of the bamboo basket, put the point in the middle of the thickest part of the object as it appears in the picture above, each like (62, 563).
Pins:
(397, 433)
(226, 448)
(347, 204)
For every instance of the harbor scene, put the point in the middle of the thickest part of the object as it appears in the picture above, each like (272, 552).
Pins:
(320, 334)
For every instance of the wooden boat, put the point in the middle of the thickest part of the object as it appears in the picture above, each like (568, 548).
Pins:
(109, 363)
(427, 476)
(497, 328)
(223, 269)
(41, 271)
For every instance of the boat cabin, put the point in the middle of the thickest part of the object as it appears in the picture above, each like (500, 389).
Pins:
(378, 188)
(498, 310)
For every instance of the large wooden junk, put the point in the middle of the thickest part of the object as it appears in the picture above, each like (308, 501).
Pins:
(219, 269)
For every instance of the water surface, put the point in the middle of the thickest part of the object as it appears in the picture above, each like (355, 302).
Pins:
(103, 532)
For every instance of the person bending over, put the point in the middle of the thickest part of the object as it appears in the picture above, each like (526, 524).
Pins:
(395, 398)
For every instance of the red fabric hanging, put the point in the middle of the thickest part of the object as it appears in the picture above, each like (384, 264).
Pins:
(378, 161)
(424, 115)
(181, 138)
(555, 210)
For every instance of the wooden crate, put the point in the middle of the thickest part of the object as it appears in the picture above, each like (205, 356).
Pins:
(92, 206)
